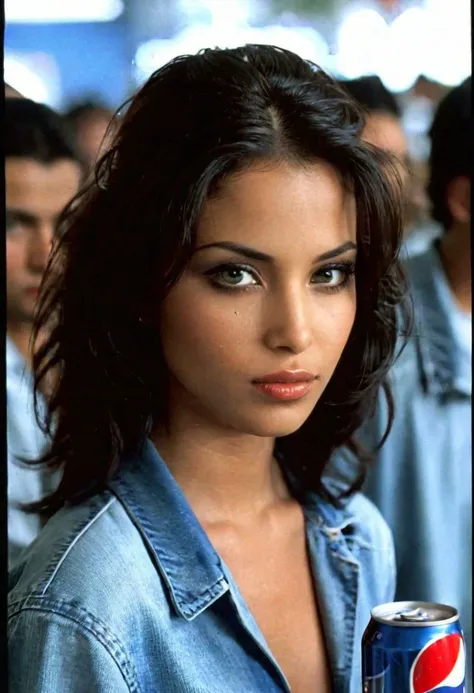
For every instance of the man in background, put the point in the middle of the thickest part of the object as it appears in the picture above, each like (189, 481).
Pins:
(384, 129)
(422, 476)
(90, 122)
(383, 116)
(42, 174)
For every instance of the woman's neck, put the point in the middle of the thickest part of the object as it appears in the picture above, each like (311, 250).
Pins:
(224, 475)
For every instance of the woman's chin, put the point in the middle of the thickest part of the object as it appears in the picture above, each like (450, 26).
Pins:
(275, 426)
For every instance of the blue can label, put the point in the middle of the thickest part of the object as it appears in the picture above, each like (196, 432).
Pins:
(413, 660)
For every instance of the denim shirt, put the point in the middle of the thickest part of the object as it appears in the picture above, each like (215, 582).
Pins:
(422, 477)
(24, 439)
(124, 593)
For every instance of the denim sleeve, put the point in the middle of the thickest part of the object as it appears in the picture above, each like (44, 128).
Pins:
(51, 653)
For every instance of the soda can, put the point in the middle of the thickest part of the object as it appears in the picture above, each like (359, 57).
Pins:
(413, 647)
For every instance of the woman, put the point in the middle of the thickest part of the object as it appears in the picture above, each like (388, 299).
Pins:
(222, 309)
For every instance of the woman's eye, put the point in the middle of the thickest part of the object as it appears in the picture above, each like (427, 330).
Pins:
(234, 276)
(333, 276)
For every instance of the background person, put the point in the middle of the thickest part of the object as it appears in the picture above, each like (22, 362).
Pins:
(42, 174)
(220, 329)
(383, 122)
(385, 129)
(90, 121)
(422, 477)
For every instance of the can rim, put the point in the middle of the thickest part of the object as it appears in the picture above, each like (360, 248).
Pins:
(384, 613)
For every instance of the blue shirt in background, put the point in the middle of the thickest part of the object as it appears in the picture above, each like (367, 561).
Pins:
(422, 478)
(125, 593)
(421, 238)
(24, 440)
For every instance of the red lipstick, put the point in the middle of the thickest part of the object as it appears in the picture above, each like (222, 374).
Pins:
(285, 385)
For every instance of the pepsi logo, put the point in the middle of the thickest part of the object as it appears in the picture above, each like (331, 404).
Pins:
(440, 666)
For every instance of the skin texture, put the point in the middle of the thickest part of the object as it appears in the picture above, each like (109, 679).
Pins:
(219, 443)
(36, 193)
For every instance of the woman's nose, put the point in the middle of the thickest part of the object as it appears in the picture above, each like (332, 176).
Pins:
(289, 325)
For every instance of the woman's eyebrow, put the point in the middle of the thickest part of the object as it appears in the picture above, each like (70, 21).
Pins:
(350, 245)
(237, 248)
(263, 257)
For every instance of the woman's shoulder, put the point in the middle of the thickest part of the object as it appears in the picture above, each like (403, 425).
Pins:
(85, 565)
(73, 602)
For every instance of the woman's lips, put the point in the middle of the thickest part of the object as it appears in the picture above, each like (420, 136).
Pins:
(285, 391)
(285, 385)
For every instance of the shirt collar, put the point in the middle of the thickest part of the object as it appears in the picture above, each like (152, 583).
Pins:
(178, 545)
(442, 372)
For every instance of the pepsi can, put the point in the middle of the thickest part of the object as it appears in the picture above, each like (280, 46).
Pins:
(413, 647)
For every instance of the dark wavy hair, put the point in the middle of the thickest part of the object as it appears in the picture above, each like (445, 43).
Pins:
(126, 239)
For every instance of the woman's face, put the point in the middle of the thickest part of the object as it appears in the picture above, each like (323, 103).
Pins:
(269, 290)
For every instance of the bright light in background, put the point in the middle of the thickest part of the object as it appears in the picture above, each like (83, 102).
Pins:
(362, 38)
(404, 57)
(52, 11)
(306, 42)
(228, 12)
(228, 28)
(22, 77)
(216, 12)
(449, 59)
(433, 40)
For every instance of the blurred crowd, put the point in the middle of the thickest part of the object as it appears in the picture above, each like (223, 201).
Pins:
(421, 477)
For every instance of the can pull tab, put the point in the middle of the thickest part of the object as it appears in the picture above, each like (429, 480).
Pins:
(412, 615)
